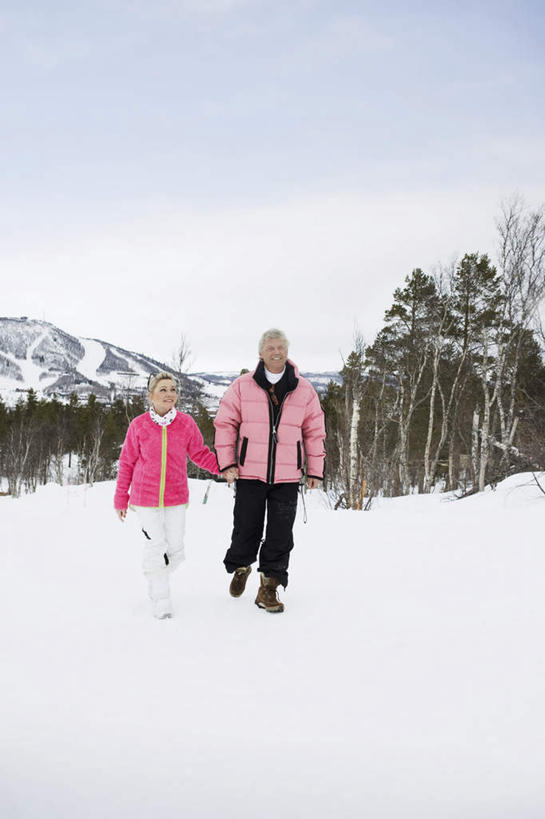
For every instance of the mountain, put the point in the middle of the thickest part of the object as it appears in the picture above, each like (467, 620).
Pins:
(36, 354)
(215, 384)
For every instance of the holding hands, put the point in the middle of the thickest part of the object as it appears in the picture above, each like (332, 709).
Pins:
(230, 474)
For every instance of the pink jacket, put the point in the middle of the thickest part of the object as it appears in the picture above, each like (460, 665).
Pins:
(245, 434)
(153, 462)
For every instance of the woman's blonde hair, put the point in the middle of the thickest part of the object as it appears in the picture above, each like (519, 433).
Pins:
(154, 379)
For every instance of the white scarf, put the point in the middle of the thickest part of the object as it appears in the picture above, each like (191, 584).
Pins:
(163, 420)
(274, 378)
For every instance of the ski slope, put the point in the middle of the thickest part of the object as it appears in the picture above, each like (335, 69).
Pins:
(405, 679)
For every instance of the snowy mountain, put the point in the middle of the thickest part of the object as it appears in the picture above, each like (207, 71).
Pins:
(36, 354)
(215, 384)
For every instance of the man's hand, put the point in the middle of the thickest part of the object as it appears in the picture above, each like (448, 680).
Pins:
(121, 514)
(313, 483)
(230, 474)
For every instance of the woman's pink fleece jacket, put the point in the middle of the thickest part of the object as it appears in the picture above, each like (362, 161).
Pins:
(153, 462)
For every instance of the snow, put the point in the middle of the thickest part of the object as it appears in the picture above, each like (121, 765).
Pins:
(405, 678)
(214, 385)
(25, 334)
(214, 391)
(93, 357)
(30, 371)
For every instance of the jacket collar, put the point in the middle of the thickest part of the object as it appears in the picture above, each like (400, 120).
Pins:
(163, 420)
(290, 375)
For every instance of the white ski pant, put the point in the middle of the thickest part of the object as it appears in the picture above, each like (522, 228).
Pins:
(164, 530)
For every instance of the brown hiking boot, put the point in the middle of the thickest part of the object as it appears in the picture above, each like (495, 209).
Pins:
(238, 583)
(267, 597)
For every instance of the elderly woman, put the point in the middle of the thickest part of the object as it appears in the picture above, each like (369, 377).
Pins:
(152, 478)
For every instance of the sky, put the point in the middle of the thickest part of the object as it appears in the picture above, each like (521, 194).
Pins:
(212, 168)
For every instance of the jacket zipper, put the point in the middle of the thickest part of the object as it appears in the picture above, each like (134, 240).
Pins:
(163, 467)
(274, 436)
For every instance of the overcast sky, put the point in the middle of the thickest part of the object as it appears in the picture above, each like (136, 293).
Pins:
(217, 167)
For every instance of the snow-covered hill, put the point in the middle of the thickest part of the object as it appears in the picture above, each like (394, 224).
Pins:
(39, 355)
(36, 354)
(404, 681)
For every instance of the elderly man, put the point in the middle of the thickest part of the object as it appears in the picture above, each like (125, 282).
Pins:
(269, 428)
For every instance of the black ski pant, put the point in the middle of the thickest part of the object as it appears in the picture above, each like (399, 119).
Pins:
(252, 500)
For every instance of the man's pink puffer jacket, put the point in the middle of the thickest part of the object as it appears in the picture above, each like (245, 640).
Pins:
(153, 462)
(245, 436)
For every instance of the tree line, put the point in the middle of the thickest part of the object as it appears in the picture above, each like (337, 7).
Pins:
(47, 440)
(451, 393)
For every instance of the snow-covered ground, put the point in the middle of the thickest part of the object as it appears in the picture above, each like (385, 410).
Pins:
(93, 357)
(405, 679)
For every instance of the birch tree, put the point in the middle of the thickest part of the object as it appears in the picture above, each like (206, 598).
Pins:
(522, 270)
(476, 301)
(353, 380)
(407, 332)
(441, 324)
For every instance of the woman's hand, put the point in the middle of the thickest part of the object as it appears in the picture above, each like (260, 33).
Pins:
(121, 514)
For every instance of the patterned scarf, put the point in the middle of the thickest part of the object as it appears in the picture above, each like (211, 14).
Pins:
(163, 420)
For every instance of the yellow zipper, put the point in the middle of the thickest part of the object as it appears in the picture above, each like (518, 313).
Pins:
(163, 468)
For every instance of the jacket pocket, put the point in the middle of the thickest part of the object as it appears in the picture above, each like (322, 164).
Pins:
(243, 448)
(299, 457)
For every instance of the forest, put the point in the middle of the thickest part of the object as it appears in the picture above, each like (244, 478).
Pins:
(47, 440)
(451, 393)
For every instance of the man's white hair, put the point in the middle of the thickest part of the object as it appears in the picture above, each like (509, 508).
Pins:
(268, 335)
